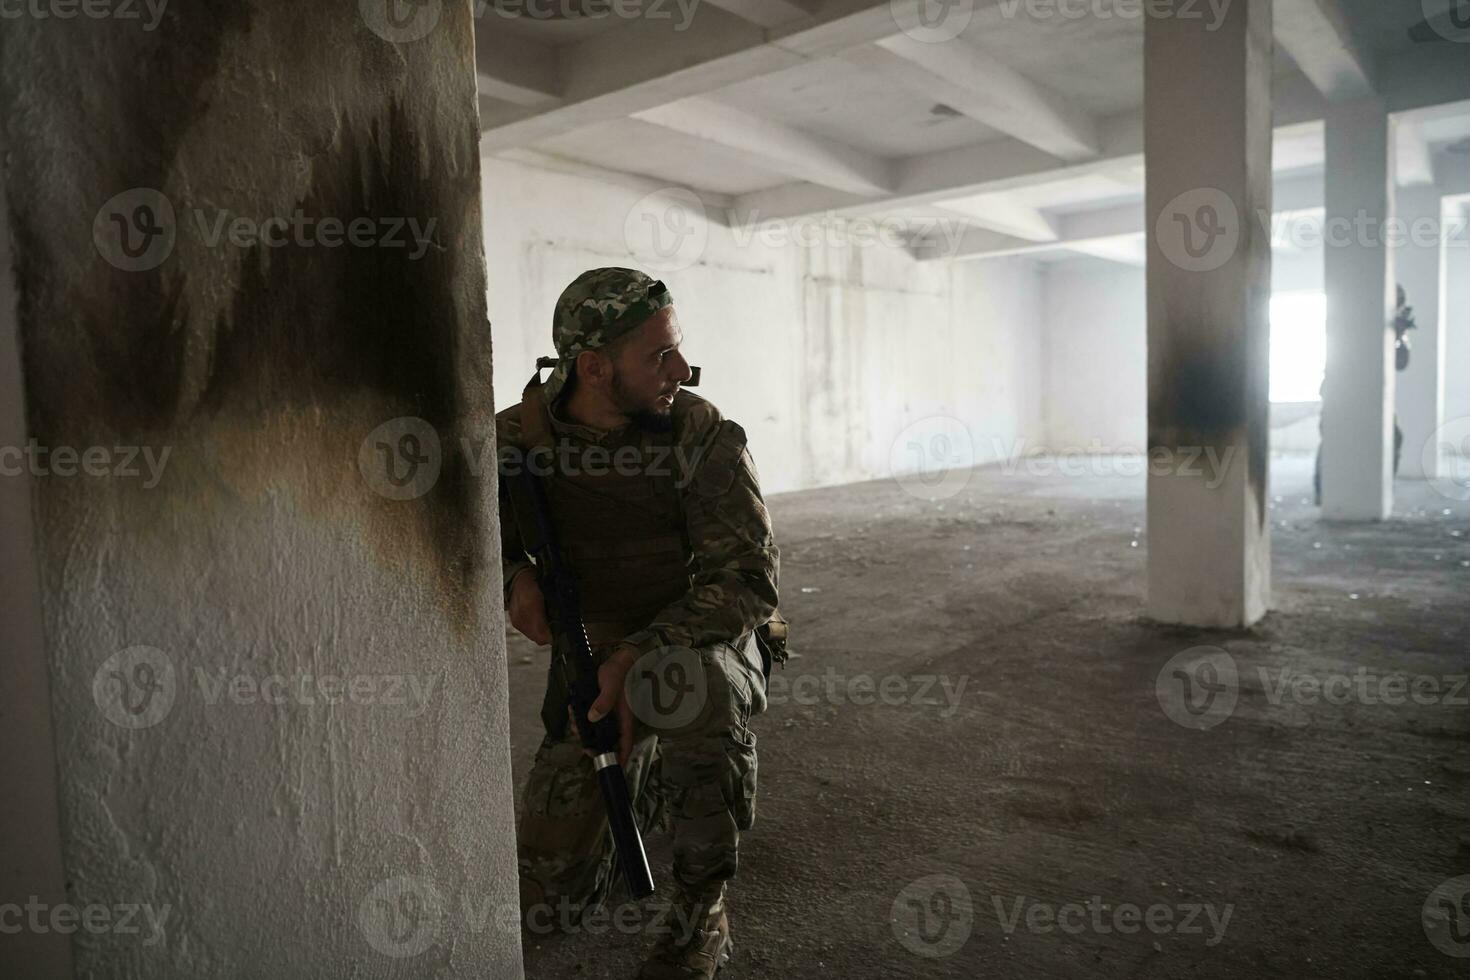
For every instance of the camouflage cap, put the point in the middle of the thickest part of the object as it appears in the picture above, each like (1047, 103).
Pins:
(600, 306)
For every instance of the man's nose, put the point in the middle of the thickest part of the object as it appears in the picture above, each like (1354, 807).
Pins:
(679, 368)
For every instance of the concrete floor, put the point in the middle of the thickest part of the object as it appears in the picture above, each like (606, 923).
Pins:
(1055, 775)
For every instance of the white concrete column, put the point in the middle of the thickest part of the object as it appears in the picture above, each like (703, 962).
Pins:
(1419, 263)
(1358, 393)
(1207, 132)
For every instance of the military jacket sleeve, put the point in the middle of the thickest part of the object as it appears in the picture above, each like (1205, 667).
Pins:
(513, 557)
(735, 560)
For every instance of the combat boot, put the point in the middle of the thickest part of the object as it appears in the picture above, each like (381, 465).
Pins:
(697, 943)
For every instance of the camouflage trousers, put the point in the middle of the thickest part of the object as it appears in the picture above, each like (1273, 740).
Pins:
(692, 770)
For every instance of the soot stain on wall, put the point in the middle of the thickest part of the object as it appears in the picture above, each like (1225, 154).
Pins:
(339, 333)
(1206, 401)
(380, 322)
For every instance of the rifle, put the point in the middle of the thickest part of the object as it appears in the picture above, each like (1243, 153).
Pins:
(572, 653)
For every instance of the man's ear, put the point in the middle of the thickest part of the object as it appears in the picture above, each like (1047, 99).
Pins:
(593, 369)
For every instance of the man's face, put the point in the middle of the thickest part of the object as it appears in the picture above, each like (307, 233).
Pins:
(649, 369)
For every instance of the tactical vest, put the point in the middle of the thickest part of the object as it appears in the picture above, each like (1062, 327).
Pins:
(619, 519)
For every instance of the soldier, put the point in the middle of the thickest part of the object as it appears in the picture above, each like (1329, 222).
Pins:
(660, 515)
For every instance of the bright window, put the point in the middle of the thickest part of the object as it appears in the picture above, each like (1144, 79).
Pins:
(1298, 346)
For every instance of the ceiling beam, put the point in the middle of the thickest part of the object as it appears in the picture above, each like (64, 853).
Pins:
(1081, 229)
(766, 13)
(514, 69)
(1316, 35)
(962, 77)
(781, 148)
(646, 62)
(1002, 164)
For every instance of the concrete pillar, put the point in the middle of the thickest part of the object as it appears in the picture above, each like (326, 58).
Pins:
(246, 236)
(1207, 131)
(1419, 263)
(30, 824)
(1358, 392)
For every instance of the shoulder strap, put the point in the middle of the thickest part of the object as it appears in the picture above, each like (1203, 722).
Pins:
(535, 415)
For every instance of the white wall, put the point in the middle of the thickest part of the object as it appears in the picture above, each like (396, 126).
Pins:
(824, 352)
(1457, 335)
(1096, 359)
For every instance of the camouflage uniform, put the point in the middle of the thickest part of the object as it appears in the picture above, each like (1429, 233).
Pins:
(677, 560)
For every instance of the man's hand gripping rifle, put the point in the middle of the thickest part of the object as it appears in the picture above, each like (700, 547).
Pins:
(572, 653)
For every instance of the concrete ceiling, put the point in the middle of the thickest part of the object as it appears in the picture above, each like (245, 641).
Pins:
(792, 108)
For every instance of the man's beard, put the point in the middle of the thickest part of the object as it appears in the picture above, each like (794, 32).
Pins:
(648, 416)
